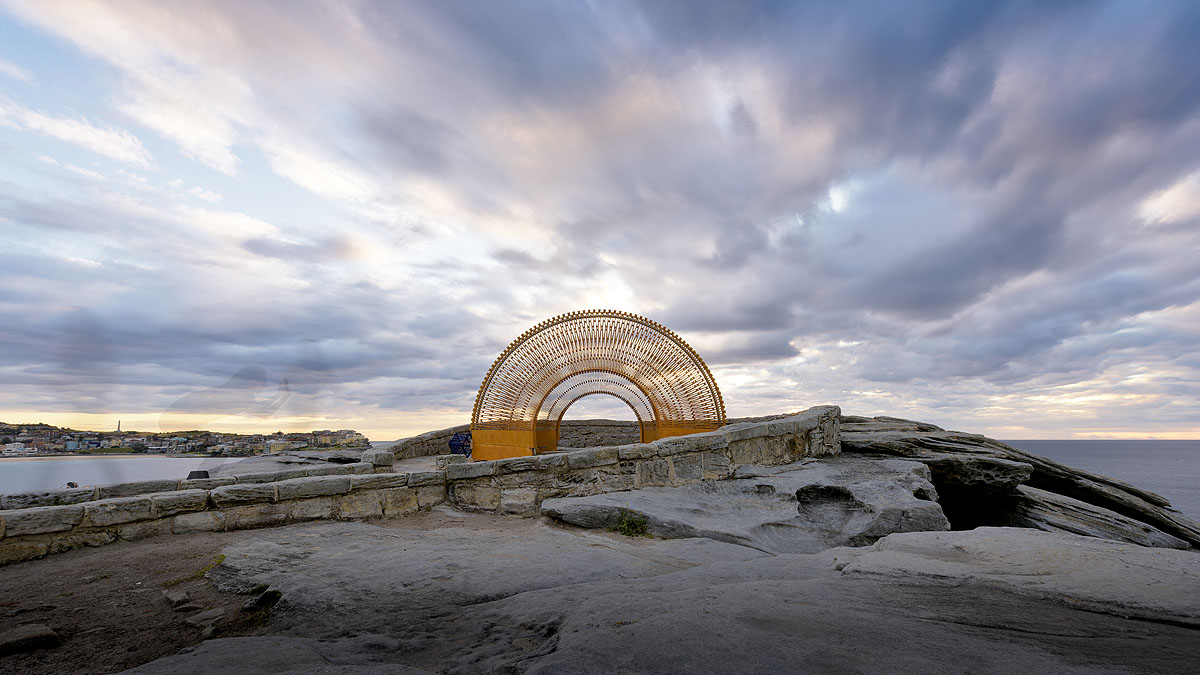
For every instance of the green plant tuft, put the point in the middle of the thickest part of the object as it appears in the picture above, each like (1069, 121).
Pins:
(197, 574)
(630, 524)
(259, 619)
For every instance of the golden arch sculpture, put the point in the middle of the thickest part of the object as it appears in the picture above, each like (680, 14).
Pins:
(549, 367)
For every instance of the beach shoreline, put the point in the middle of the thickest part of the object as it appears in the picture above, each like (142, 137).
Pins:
(26, 458)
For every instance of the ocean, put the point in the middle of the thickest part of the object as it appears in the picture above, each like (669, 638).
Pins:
(45, 473)
(1170, 468)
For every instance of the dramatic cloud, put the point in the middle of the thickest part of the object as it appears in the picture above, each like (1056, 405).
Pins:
(983, 214)
(106, 140)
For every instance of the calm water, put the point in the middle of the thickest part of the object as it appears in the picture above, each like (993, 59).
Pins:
(22, 475)
(1170, 468)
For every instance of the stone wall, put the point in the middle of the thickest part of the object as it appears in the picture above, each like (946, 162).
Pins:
(427, 444)
(596, 433)
(515, 486)
(518, 484)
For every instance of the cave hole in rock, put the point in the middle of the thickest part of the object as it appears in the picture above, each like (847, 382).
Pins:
(970, 507)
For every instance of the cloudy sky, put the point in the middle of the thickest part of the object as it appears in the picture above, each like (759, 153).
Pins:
(983, 215)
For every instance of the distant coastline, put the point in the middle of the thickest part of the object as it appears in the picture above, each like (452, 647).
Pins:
(105, 455)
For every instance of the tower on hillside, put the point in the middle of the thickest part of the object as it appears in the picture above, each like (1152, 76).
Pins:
(118, 426)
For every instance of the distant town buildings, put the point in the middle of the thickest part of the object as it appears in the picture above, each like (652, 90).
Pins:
(16, 449)
(19, 440)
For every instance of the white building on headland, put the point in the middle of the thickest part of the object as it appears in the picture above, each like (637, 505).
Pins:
(17, 449)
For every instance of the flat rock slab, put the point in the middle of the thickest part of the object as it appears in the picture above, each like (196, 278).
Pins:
(266, 464)
(1124, 579)
(27, 638)
(206, 617)
(177, 597)
(803, 507)
(280, 655)
(360, 569)
(340, 456)
(489, 595)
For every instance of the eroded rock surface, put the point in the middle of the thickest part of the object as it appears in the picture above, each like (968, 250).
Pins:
(926, 442)
(486, 594)
(985, 474)
(803, 507)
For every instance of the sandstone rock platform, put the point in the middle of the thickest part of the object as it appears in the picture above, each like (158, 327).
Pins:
(484, 594)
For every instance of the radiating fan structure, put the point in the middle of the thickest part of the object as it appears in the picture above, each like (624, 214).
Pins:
(549, 367)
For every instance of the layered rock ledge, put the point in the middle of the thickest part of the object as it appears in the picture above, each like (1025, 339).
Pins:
(804, 507)
(976, 477)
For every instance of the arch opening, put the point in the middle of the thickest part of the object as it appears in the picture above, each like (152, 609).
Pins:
(581, 385)
(595, 419)
(599, 407)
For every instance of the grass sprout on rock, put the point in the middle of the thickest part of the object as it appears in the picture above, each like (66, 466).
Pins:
(630, 524)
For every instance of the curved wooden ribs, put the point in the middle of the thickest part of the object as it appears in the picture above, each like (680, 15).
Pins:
(559, 361)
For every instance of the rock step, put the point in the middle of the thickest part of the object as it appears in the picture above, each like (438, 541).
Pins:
(27, 638)
(802, 507)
